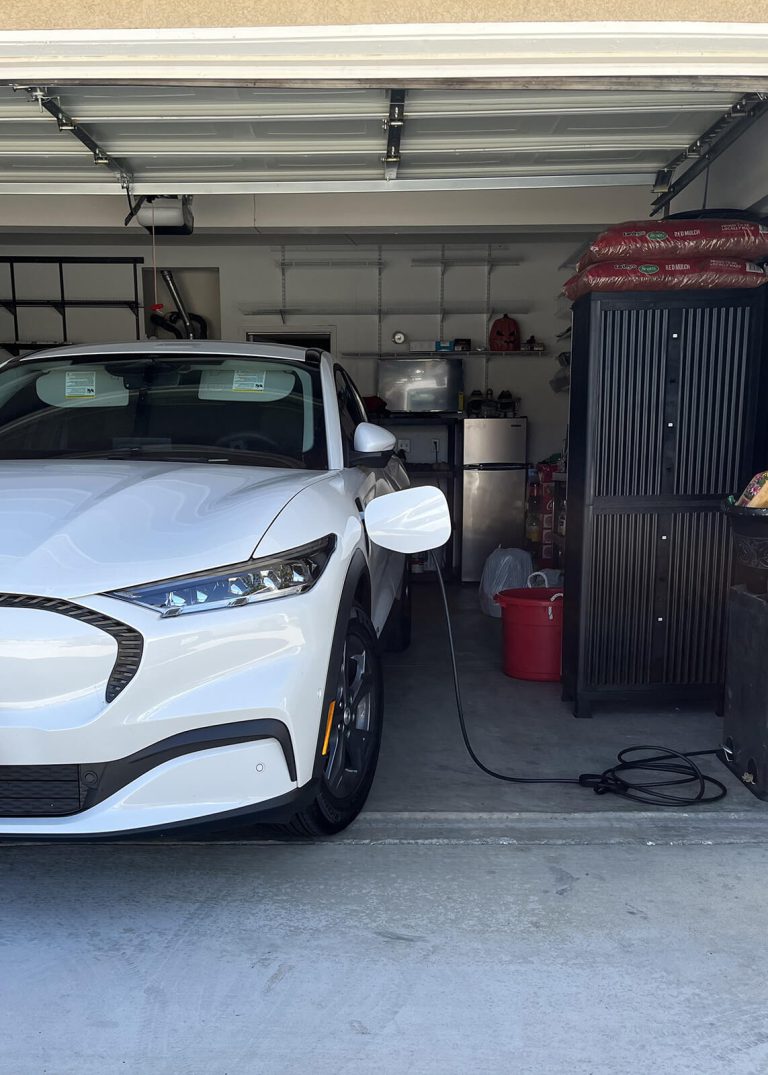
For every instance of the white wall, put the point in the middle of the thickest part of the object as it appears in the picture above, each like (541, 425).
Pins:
(250, 278)
(440, 210)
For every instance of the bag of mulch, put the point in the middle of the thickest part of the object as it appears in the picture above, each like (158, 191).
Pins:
(647, 240)
(665, 274)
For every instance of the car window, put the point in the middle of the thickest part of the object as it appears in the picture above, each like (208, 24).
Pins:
(351, 407)
(258, 412)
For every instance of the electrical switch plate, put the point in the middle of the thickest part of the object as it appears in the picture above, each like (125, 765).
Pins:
(403, 444)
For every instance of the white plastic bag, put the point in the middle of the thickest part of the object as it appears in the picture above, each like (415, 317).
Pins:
(505, 569)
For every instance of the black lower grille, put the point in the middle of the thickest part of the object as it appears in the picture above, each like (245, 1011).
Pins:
(130, 642)
(40, 790)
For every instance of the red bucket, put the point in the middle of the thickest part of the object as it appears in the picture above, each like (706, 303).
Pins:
(533, 632)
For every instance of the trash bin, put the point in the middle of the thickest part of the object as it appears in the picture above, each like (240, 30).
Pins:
(532, 622)
(749, 527)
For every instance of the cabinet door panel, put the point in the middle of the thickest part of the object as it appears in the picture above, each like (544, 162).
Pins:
(619, 613)
(714, 424)
(699, 570)
(628, 411)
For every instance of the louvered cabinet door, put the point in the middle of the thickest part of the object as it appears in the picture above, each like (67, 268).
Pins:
(697, 568)
(673, 401)
(711, 442)
(619, 602)
(656, 597)
(626, 415)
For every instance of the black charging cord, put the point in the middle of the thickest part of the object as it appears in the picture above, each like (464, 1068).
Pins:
(676, 769)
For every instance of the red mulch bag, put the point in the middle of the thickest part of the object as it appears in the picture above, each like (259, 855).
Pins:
(637, 240)
(665, 274)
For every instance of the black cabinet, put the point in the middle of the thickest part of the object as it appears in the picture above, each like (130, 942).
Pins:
(668, 416)
(745, 728)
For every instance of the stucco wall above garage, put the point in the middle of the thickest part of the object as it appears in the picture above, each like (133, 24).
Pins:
(86, 14)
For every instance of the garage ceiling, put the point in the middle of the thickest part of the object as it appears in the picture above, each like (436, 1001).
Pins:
(196, 139)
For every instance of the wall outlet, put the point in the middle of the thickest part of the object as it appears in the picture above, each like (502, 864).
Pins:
(403, 444)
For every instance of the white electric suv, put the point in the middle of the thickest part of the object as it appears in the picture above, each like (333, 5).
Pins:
(200, 547)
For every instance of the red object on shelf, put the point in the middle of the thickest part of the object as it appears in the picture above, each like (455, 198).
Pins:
(156, 307)
(532, 621)
(505, 334)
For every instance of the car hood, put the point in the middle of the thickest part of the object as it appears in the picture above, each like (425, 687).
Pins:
(72, 528)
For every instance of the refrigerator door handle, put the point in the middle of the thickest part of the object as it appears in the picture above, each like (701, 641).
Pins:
(495, 466)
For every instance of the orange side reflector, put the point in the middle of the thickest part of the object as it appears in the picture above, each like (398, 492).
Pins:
(331, 711)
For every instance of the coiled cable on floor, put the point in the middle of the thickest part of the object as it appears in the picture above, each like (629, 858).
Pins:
(676, 769)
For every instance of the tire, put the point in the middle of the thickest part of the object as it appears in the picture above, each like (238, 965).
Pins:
(348, 764)
(397, 633)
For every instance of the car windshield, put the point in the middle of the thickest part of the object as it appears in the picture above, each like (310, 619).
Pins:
(259, 412)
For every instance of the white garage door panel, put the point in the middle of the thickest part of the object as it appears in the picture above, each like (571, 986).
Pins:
(166, 138)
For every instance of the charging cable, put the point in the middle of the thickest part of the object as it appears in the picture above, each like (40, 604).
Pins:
(674, 770)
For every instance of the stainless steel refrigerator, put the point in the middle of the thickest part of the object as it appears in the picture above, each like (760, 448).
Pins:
(494, 489)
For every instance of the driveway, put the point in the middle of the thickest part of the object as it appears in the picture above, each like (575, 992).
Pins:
(385, 957)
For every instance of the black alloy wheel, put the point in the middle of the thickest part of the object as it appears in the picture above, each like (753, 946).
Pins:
(352, 739)
(349, 747)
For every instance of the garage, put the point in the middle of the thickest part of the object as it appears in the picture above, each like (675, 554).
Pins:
(416, 212)
(382, 299)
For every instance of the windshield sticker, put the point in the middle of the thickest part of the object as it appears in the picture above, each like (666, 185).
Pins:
(248, 381)
(79, 385)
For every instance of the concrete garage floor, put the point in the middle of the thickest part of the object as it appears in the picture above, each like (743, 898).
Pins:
(517, 727)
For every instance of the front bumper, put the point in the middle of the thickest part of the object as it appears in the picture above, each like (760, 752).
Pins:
(219, 713)
(196, 782)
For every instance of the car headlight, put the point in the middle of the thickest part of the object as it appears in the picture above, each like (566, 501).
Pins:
(287, 573)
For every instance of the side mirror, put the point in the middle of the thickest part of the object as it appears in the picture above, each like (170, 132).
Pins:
(373, 445)
(411, 520)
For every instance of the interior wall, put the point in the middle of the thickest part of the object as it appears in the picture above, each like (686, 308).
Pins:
(549, 208)
(344, 300)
